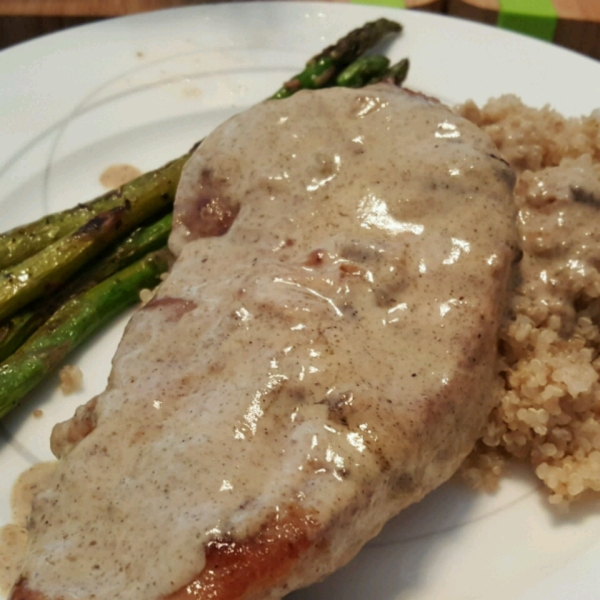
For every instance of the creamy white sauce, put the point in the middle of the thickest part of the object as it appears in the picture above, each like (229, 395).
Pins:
(333, 351)
(13, 537)
(558, 223)
(13, 544)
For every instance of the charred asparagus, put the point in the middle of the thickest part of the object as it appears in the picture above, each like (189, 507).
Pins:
(74, 322)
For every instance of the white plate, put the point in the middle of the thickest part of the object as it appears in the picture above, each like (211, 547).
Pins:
(141, 90)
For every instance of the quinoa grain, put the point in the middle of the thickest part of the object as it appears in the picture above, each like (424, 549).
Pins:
(549, 414)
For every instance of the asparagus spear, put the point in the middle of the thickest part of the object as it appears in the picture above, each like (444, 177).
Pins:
(321, 70)
(73, 323)
(396, 73)
(42, 273)
(142, 241)
(363, 71)
(14, 333)
(25, 241)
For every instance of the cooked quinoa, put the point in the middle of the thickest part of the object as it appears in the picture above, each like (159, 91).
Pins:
(549, 413)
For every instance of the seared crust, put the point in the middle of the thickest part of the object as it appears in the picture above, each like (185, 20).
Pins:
(21, 592)
(240, 569)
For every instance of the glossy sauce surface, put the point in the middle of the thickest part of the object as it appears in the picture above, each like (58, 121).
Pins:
(558, 222)
(331, 352)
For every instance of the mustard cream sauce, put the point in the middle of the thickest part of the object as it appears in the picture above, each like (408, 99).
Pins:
(13, 536)
(333, 348)
(13, 544)
(558, 222)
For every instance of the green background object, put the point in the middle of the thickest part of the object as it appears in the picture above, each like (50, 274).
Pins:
(537, 18)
